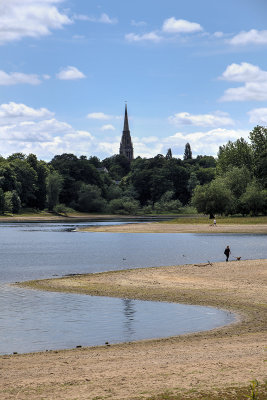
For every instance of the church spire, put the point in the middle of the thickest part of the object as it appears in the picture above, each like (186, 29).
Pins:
(126, 146)
(126, 124)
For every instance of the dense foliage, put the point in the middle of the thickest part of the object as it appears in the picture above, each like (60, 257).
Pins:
(234, 183)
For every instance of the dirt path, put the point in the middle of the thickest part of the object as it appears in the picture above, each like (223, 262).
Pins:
(210, 361)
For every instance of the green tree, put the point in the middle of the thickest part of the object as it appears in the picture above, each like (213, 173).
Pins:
(16, 202)
(192, 182)
(90, 199)
(8, 178)
(124, 205)
(54, 182)
(2, 201)
(167, 203)
(8, 202)
(41, 169)
(187, 152)
(169, 154)
(117, 165)
(205, 175)
(26, 178)
(235, 154)
(258, 137)
(254, 200)
(213, 198)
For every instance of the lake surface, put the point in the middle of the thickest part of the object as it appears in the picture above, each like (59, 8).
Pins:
(33, 320)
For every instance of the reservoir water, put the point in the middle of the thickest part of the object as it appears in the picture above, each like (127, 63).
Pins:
(34, 320)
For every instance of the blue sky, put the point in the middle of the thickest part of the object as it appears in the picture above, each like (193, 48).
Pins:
(191, 71)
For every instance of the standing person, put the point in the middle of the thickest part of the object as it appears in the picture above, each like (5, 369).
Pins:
(227, 252)
(214, 222)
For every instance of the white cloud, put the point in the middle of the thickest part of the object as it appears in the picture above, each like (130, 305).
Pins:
(98, 115)
(216, 119)
(104, 18)
(108, 127)
(251, 37)
(147, 37)
(30, 18)
(15, 78)
(15, 111)
(205, 142)
(255, 83)
(258, 116)
(70, 73)
(111, 147)
(172, 25)
(46, 76)
(34, 131)
(244, 72)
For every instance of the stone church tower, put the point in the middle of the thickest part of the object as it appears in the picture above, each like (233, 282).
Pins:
(126, 146)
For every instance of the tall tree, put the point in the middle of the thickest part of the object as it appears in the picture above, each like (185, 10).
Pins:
(187, 152)
(235, 154)
(169, 154)
(54, 183)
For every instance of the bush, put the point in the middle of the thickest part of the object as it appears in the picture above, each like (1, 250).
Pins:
(123, 205)
(61, 209)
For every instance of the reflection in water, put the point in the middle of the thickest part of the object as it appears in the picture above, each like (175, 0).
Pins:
(32, 320)
(129, 312)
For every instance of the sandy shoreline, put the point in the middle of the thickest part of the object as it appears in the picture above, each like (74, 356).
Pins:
(160, 227)
(207, 361)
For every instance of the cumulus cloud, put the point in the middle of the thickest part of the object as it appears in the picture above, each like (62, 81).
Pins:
(108, 127)
(254, 79)
(147, 37)
(205, 142)
(251, 37)
(15, 78)
(172, 25)
(244, 72)
(37, 131)
(216, 119)
(104, 18)
(30, 18)
(258, 116)
(19, 110)
(70, 73)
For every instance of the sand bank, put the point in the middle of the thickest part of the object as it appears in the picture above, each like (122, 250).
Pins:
(159, 227)
(209, 361)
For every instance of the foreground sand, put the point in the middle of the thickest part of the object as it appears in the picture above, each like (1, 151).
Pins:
(159, 227)
(207, 361)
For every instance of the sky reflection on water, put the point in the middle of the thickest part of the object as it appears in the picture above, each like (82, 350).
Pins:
(32, 320)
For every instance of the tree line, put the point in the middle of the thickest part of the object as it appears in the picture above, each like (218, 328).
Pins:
(234, 182)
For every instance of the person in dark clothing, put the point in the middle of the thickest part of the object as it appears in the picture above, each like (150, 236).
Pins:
(227, 252)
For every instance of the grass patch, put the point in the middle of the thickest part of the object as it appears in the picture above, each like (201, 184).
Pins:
(254, 391)
(220, 220)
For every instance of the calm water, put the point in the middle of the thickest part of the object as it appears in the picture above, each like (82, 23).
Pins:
(32, 320)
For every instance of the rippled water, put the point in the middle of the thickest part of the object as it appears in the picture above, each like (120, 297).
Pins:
(32, 320)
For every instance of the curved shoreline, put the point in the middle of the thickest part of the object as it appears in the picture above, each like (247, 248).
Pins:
(207, 362)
